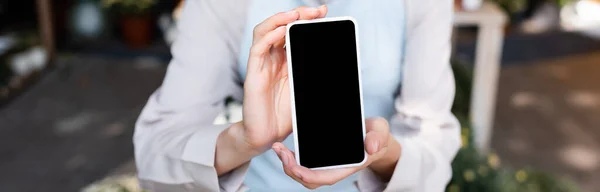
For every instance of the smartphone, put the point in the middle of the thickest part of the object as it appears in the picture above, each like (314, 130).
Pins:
(326, 93)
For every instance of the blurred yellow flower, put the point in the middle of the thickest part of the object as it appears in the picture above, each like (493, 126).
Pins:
(494, 160)
(465, 131)
(118, 183)
(521, 176)
(453, 188)
(483, 170)
(469, 175)
(465, 141)
(108, 3)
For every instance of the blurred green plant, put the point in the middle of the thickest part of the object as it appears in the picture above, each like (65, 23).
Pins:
(474, 172)
(463, 76)
(562, 3)
(513, 6)
(129, 7)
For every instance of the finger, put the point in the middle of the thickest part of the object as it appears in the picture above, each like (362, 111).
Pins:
(377, 124)
(294, 173)
(264, 44)
(323, 9)
(323, 177)
(286, 156)
(307, 13)
(307, 177)
(283, 18)
(375, 141)
(280, 43)
(288, 160)
(311, 179)
(275, 21)
(278, 150)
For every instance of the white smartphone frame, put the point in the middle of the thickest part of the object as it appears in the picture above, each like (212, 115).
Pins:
(291, 85)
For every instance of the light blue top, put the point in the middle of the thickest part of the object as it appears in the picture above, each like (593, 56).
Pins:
(381, 26)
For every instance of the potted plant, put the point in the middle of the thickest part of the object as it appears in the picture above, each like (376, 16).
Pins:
(135, 20)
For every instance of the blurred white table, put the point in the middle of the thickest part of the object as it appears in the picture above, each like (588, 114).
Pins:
(490, 20)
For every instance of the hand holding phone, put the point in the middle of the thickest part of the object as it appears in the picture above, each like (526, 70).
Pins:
(383, 153)
(332, 140)
(266, 110)
(326, 93)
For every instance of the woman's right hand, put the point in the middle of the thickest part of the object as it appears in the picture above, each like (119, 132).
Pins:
(266, 111)
(266, 108)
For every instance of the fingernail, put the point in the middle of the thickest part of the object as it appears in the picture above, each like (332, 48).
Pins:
(322, 6)
(374, 147)
(284, 158)
(297, 174)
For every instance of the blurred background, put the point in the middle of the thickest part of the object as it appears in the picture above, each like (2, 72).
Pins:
(74, 75)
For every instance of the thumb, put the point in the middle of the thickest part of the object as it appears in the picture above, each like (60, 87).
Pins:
(377, 135)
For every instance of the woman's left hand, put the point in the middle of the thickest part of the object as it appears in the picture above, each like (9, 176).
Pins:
(382, 149)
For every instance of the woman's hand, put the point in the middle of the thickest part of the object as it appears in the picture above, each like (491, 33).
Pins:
(266, 111)
(383, 154)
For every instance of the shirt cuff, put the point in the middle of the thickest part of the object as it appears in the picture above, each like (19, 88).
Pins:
(368, 181)
(234, 180)
(408, 169)
(406, 173)
(199, 154)
(201, 146)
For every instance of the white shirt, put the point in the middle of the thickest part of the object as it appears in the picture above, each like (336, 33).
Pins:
(175, 139)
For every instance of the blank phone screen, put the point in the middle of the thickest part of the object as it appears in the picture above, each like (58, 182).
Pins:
(327, 93)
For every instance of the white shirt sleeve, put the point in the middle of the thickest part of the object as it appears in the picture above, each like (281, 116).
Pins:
(175, 138)
(428, 132)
